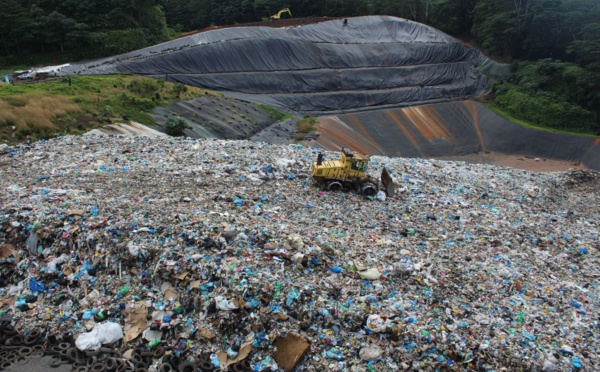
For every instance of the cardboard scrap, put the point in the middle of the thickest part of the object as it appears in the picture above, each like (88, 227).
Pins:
(132, 331)
(180, 276)
(245, 350)
(136, 321)
(240, 303)
(169, 293)
(281, 317)
(195, 284)
(8, 250)
(137, 312)
(290, 350)
(207, 334)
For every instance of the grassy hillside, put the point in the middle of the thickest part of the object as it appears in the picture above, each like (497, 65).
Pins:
(503, 112)
(51, 108)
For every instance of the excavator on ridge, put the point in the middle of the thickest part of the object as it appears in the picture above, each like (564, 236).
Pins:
(280, 13)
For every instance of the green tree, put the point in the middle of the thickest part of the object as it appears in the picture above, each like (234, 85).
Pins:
(454, 16)
(498, 26)
(154, 21)
(14, 23)
(56, 26)
(121, 41)
(179, 88)
(586, 50)
(553, 93)
(175, 127)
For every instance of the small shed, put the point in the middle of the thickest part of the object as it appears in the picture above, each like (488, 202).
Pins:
(8, 79)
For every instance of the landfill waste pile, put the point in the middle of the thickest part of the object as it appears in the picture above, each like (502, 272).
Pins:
(162, 254)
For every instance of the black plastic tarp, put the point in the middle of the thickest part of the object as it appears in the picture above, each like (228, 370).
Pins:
(323, 80)
(374, 61)
(283, 55)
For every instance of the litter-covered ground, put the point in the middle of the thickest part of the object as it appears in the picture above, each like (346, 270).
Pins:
(161, 254)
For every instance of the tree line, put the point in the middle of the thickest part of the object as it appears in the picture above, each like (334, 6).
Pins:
(85, 29)
(564, 34)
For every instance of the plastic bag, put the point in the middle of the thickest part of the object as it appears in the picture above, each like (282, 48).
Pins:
(36, 286)
(370, 274)
(294, 295)
(376, 323)
(32, 242)
(370, 352)
(105, 333)
(224, 304)
(133, 249)
(284, 163)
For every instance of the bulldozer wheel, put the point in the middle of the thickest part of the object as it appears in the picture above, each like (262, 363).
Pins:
(334, 186)
(368, 189)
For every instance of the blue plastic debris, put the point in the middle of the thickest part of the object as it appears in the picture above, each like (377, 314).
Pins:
(36, 286)
(336, 269)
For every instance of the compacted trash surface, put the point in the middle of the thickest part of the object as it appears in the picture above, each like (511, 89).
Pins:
(158, 254)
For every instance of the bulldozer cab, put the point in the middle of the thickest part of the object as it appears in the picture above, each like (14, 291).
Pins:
(355, 162)
(359, 166)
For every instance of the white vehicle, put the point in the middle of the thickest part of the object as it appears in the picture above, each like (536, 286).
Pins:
(30, 74)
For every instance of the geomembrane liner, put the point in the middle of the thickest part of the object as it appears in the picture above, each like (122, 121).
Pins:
(447, 129)
(374, 61)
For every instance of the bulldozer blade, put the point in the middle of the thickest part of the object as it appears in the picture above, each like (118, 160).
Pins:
(388, 183)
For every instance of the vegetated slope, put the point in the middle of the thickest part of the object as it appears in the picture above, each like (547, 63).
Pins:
(373, 61)
(217, 117)
(77, 104)
(445, 129)
(81, 103)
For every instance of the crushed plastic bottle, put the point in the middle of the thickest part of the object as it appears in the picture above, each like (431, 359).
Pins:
(335, 354)
(154, 343)
(575, 362)
(293, 295)
(214, 360)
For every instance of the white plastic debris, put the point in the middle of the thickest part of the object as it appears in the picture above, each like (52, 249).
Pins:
(376, 323)
(368, 353)
(370, 274)
(104, 333)
(224, 304)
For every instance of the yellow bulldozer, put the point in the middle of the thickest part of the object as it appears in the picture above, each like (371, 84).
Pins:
(280, 13)
(350, 173)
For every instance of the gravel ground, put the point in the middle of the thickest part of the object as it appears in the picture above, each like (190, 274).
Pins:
(518, 161)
